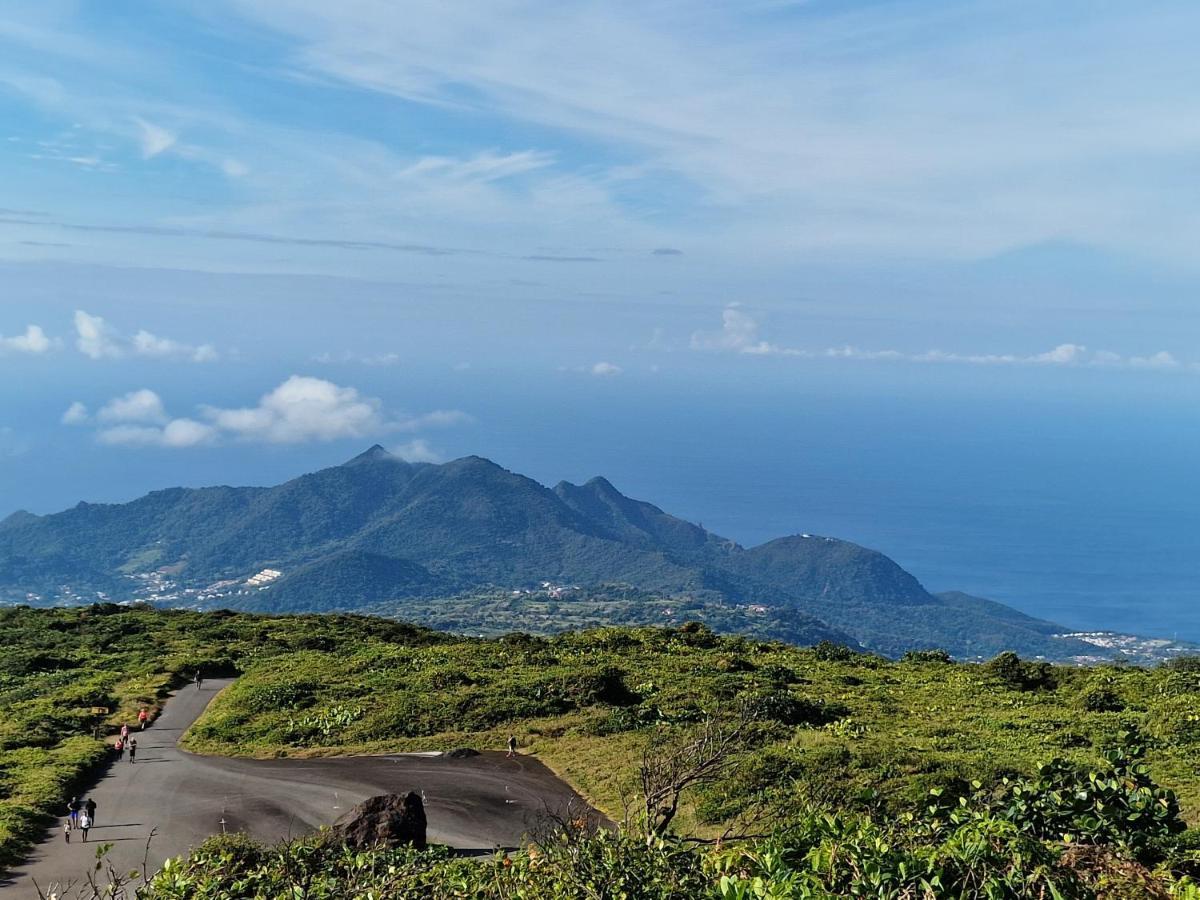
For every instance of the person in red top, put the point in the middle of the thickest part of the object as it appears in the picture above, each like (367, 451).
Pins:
(143, 716)
(124, 732)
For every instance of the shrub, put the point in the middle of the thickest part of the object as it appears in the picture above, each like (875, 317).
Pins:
(1011, 671)
(927, 656)
(828, 651)
(1101, 699)
(787, 708)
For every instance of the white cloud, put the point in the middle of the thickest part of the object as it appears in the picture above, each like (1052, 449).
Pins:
(486, 166)
(175, 434)
(740, 334)
(302, 409)
(97, 339)
(147, 344)
(1160, 360)
(76, 414)
(605, 369)
(136, 406)
(154, 138)
(1062, 355)
(366, 359)
(417, 450)
(187, 433)
(33, 341)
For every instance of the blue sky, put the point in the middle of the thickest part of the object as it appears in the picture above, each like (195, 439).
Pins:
(239, 237)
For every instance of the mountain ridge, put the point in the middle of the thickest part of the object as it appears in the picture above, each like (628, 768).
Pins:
(395, 529)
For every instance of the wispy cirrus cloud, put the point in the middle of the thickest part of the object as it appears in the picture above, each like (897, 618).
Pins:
(364, 359)
(154, 139)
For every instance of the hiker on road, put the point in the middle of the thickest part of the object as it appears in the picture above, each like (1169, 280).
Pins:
(143, 717)
(90, 809)
(512, 746)
(199, 680)
(132, 750)
(73, 811)
(67, 831)
(85, 822)
(119, 746)
(124, 732)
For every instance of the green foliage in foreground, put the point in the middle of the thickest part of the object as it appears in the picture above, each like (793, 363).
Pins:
(1110, 833)
(835, 727)
(885, 778)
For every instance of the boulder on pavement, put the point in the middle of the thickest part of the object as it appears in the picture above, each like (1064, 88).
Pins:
(387, 820)
(460, 753)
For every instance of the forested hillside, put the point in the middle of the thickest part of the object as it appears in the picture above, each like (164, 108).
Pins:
(378, 529)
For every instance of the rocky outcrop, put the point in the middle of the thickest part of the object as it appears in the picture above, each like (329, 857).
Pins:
(388, 820)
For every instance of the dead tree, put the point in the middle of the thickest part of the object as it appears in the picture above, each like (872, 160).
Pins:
(668, 770)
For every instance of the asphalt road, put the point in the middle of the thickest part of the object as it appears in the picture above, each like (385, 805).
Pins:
(480, 803)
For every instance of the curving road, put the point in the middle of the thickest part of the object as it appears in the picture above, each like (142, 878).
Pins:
(478, 804)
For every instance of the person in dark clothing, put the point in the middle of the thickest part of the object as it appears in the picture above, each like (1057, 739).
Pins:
(512, 746)
(73, 811)
(132, 750)
(199, 681)
(90, 808)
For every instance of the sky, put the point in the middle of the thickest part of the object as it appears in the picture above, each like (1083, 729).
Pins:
(243, 238)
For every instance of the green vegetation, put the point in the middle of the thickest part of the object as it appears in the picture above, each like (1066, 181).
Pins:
(844, 773)
(495, 613)
(379, 530)
(70, 677)
(1060, 834)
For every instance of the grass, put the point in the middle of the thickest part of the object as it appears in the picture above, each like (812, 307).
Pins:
(834, 729)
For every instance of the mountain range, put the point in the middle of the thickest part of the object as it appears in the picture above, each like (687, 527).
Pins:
(378, 529)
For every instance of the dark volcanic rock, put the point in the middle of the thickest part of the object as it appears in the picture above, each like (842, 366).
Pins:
(387, 820)
(460, 753)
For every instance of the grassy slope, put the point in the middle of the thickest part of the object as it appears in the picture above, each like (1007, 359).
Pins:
(902, 727)
(586, 703)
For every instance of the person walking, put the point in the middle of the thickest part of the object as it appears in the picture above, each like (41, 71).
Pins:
(132, 750)
(143, 717)
(199, 680)
(124, 732)
(90, 808)
(512, 746)
(85, 822)
(73, 811)
(67, 831)
(119, 746)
